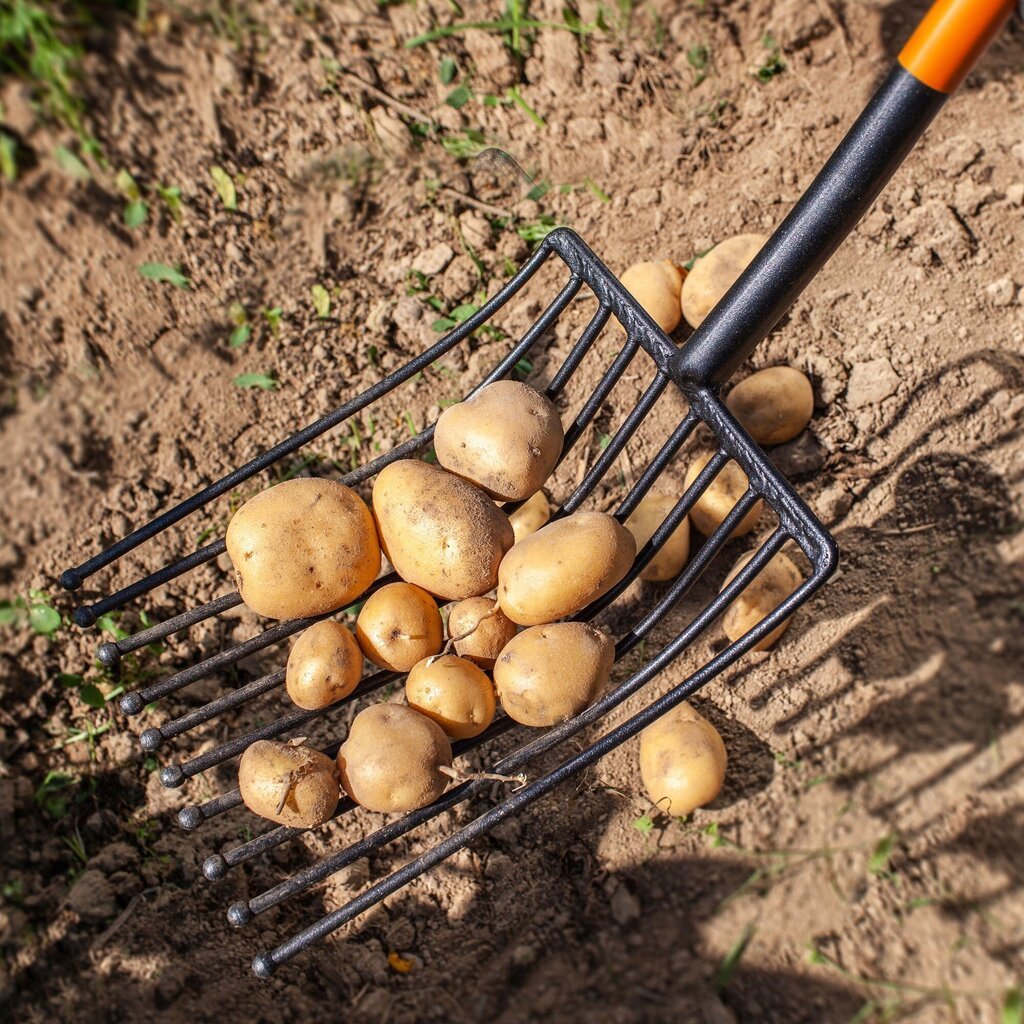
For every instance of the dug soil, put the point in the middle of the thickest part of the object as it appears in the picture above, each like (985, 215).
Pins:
(864, 860)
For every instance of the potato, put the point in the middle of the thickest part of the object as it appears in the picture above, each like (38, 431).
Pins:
(398, 626)
(453, 692)
(439, 532)
(390, 760)
(768, 589)
(479, 629)
(682, 761)
(550, 673)
(672, 556)
(714, 273)
(773, 405)
(531, 516)
(656, 287)
(292, 785)
(505, 439)
(303, 548)
(325, 665)
(721, 495)
(564, 566)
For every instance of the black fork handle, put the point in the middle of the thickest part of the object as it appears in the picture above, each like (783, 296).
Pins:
(947, 43)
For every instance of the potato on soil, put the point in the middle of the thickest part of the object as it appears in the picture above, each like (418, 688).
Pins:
(564, 566)
(768, 589)
(682, 761)
(550, 673)
(530, 516)
(303, 548)
(714, 273)
(438, 531)
(453, 692)
(656, 286)
(720, 497)
(773, 405)
(505, 439)
(398, 626)
(479, 629)
(672, 556)
(324, 666)
(390, 760)
(294, 786)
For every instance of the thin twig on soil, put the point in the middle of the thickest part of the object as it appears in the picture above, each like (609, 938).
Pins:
(390, 101)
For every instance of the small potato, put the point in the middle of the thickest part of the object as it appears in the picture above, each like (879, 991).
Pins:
(672, 556)
(294, 786)
(550, 673)
(682, 761)
(479, 630)
(439, 532)
(715, 273)
(773, 405)
(324, 666)
(303, 548)
(768, 589)
(718, 500)
(531, 516)
(656, 287)
(398, 626)
(391, 758)
(505, 439)
(453, 692)
(564, 566)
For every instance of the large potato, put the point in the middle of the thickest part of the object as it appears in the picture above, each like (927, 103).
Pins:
(303, 548)
(398, 626)
(530, 516)
(564, 566)
(453, 692)
(479, 629)
(438, 531)
(720, 497)
(391, 758)
(550, 673)
(656, 287)
(682, 761)
(768, 589)
(505, 439)
(714, 273)
(773, 405)
(324, 666)
(294, 786)
(672, 556)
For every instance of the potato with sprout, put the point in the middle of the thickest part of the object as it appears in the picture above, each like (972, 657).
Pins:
(398, 626)
(453, 692)
(288, 783)
(479, 630)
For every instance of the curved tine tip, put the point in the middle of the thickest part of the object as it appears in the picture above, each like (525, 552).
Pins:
(70, 579)
(131, 704)
(109, 654)
(150, 740)
(172, 776)
(84, 617)
(215, 867)
(239, 915)
(263, 966)
(190, 818)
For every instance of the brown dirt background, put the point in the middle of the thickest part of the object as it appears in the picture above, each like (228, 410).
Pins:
(894, 706)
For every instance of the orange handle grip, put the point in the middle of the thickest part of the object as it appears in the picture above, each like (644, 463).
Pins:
(952, 36)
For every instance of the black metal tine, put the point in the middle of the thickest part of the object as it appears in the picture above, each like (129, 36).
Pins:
(582, 346)
(217, 865)
(111, 652)
(72, 579)
(657, 465)
(266, 963)
(192, 816)
(618, 441)
(517, 759)
(152, 739)
(174, 775)
(682, 507)
(593, 404)
(87, 614)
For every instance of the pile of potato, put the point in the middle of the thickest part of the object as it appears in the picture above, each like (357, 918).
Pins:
(506, 585)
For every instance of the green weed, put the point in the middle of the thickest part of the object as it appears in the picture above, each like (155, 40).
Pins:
(256, 380)
(165, 274)
(773, 64)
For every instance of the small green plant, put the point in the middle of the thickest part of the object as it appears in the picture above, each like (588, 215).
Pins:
(242, 329)
(273, 317)
(170, 196)
(71, 164)
(447, 71)
(8, 156)
(697, 56)
(165, 274)
(225, 186)
(536, 231)
(732, 959)
(262, 381)
(135, 210)
(773, 64)
(37, 612)
(52, 795)
(321, 301)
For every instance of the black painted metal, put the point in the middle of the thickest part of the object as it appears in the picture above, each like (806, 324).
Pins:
(864, 161)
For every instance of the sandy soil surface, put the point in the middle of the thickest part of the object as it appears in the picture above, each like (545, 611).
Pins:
(864, 860)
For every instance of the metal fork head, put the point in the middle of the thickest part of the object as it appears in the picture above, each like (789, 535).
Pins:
(795, 523)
